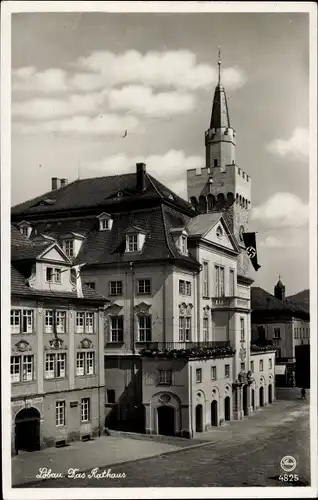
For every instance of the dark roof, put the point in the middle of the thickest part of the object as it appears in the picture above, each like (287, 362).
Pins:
(220, 113)
(98, 191)
(28, 251)
(265, 302)
(17, 238)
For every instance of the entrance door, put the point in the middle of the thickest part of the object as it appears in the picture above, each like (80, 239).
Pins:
(214, 413)
(166, 420)
(253, 399)
(27, 430)
(199, 418)
(261, 396)
(245, 402)
(227, 408)
(270, 393)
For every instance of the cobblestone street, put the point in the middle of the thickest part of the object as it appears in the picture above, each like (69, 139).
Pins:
(249, 454)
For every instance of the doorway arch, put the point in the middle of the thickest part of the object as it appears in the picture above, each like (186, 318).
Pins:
(227, 408)
(214, 413)
(199, 418)
(261, 396)
(245, 400)
(27, 430)
(166, 420)
(270, 393)
(253, 399)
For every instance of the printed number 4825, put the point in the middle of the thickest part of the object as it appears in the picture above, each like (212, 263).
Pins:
(288, 477)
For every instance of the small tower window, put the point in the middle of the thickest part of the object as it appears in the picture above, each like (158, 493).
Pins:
(215, 162)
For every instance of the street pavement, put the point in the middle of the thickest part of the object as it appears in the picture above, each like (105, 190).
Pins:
(242, 453)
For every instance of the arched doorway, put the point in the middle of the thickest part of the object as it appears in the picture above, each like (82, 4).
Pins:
(270, 393)
(214, 413)
(199, 418)
(245, 400)
(166, 420)
(27, 430)
(253, 399)
(261, 396)
(227, 408)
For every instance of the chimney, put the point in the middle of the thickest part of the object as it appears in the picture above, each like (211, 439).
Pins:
(63, 182)
(55, 183)
(141, 176)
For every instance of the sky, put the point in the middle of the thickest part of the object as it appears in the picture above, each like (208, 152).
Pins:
(80, 80)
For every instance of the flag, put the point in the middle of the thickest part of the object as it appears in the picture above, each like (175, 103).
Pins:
(250, 246)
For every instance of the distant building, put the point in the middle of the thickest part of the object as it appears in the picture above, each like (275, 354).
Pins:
(284, 323)
(177, 334)
(57, 349)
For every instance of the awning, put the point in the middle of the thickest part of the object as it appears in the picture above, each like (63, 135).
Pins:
(280, 369)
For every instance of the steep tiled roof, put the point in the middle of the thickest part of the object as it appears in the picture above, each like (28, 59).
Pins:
(17, 237)
(96, 191)
(220, 113)
(28, 251)
(262, 301)
(202, 223)
(19, 287)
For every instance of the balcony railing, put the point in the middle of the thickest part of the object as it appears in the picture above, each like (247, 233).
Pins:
(184, 345)
(229, 302)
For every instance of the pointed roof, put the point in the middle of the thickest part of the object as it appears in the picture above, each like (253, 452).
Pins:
(220, 114)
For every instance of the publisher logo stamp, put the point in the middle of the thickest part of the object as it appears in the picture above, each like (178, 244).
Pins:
(288, 463)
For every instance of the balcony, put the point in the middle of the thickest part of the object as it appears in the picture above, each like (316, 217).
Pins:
(188, 350)
(224, 303)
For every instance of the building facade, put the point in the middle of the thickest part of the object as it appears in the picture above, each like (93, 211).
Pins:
(177, 329)
(286, 324)
(57, 350)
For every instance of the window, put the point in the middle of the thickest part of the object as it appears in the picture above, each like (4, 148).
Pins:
(144, 327)
(91, 284)
(53, 275)
(85, 410)
(15, 321)
(89, 322)
(117, 329)
(60, 321)
(242, 367)
(184, 328)
(242, 324)
(198, 375)
(219, 281)
(144, 286)
(232, 283)
(69, 248)
(165, 377)
(133, 243)
(215, 162)
(213, 372)
(85, 363)
(276, 333)
(261, 365)
(27, 373)
(219, 232)
(205, 279)
(48, 321)
(111, 396)
(104, 224)
(227, 371)
(252, 366)
(184, 287)
(116, 288)
(270, 363)
(55, 365)
(60, 413)
(205, 329)
(25, 231)
(184, 245)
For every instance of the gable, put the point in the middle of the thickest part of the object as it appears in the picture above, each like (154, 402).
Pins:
(214, 236)
(54, 253)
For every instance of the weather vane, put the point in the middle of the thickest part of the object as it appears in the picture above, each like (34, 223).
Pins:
(219, 63)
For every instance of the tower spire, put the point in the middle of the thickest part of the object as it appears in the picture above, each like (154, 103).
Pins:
(219, 64)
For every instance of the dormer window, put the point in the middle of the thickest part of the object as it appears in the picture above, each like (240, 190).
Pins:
(53, 275)
(180, 237)
(183, 244)
(25, 229)
(135, 239)
(105, 222)
(69, 248)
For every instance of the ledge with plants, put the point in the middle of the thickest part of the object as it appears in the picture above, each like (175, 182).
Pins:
(193, 353)
(262, 348)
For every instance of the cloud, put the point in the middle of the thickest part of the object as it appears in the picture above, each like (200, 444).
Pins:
(142, 100)
(103, 69)
(272, 242)
(169, 168)
(98, 125)
(297, 146)
(282, 210)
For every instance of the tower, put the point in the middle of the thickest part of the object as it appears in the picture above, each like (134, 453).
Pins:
(279, 290)
(221, 185)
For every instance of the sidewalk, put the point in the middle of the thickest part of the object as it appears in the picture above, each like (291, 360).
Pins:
(120, 447)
